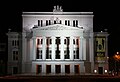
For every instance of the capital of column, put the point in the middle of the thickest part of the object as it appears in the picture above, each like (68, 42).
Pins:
(62, 37)
(81, 37)
(34, 37)
(53, 37)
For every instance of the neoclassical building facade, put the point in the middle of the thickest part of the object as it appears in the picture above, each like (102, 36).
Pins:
(57, 43)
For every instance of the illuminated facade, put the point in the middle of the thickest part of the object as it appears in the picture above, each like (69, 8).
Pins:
(54, 43)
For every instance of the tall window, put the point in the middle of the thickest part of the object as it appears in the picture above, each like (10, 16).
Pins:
(57, 48)
(15, 55)
(67, 22)
(67, 54)
(48, 54)
(66, 51)
(15, 43)
(48, 41)
(39, 54)
(75, 23)
(57, 54)
(76, 53)
(46, 22)
(40, 23)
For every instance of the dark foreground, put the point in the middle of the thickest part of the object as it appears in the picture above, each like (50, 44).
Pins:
(60, 78)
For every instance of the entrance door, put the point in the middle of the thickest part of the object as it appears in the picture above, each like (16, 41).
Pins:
(57, 68)
(15, 70)
(76, 68)
(48, 68)
(38, 69)
(100, 70)
(67, 69)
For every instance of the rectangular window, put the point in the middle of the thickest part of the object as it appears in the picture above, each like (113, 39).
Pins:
(13, 43)
(46, 22)
(60, 22)
(38, 41)
(77, 41)
(49, 22)
(66, 54)
(76, 23)
(57, 40)
(73, 23)
(39, 54)
(41, 23)
(54, 21)
(48, 41)
(76, 53)
(15, 55)
(38, 22)
(65, 22)
(57, 54)
(68, 23)
(74, 41)
(48, 54)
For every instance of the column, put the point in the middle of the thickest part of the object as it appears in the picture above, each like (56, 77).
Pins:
(62, 68)
(34, 48)
(43, 68)
(81, 48)
(71, 48)
(44, 48)
(62, 47)
(53, 48)
(84, 49)
(53, 68)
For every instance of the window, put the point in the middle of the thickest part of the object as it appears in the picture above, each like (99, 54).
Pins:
(57, 54)
(48, 41)
(39, 41)
(46, 22)
(76, 53)
(38, 22)
(75, 23)
(66, 53)
(15, 43)
(49, 22)
(38, 69)
(15, 55)
(48, 54)
(39, 54)
(41, 23)
(57, 40)
(65, 22)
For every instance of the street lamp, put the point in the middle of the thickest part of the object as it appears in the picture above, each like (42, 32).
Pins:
(116, 58)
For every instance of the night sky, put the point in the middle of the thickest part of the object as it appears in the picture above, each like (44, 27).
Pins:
(106, 15)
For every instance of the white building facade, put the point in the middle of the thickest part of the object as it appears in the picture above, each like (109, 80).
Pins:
(53, 43)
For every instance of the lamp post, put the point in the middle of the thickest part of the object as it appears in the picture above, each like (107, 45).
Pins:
(116, 58)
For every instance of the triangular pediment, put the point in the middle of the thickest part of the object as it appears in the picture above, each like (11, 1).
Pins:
(59, 27)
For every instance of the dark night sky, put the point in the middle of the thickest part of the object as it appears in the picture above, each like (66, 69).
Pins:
(106, 15)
